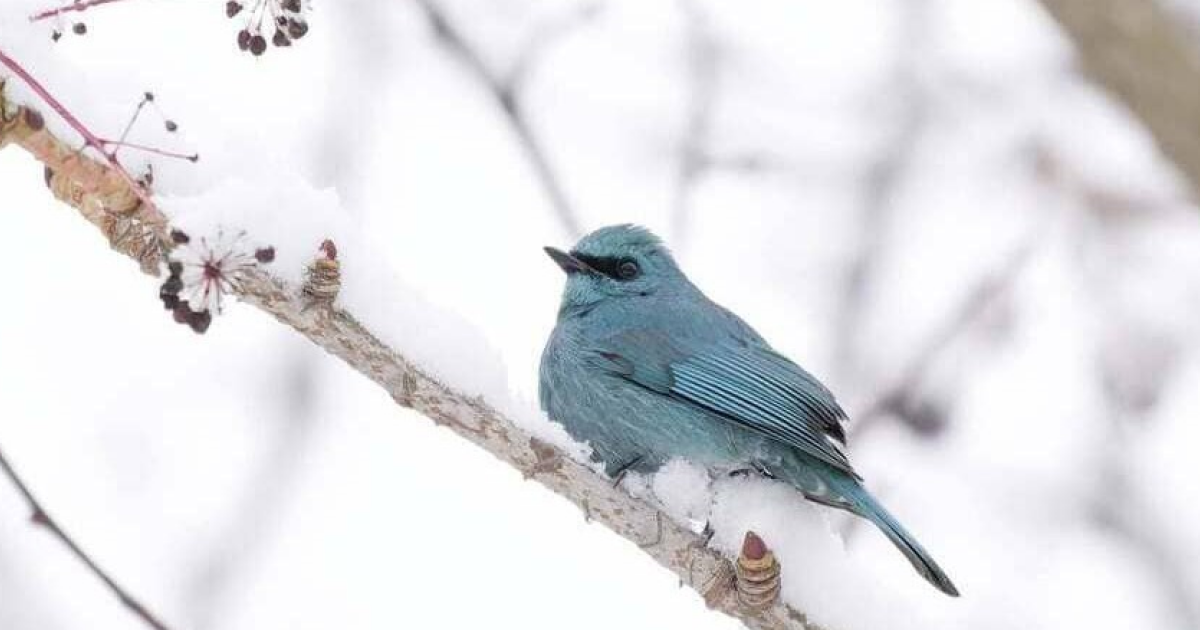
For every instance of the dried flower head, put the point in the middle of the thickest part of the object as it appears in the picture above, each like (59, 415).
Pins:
(202, 271)
(280, 21)
(213, 267)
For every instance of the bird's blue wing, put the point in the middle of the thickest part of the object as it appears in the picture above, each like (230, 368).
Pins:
(748, 384)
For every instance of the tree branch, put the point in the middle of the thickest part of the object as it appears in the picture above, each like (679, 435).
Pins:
(1138, 51)
(77, 5)
(340, 333)
(506, 94)
(42, 518)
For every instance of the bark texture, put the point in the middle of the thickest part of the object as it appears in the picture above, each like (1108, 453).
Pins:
(138, 230)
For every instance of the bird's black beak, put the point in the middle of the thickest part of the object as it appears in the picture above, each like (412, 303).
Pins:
(567, 262)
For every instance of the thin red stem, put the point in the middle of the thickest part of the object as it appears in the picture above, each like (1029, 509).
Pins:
(78, 5)
(141, 147)
(89, 138)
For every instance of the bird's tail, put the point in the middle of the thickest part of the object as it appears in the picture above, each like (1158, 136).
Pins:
(866, 506)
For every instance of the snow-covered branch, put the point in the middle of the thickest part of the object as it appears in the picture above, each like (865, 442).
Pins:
(1142, 55)
(92, 187)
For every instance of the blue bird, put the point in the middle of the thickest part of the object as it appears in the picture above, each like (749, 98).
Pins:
(644, 368)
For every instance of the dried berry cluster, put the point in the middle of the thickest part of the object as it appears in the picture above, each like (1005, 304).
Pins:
(200, 275)
(285, 19)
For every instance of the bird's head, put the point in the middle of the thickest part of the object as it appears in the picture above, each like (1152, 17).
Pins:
(619, 261)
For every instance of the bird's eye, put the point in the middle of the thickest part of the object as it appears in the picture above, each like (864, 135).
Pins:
(628, 270)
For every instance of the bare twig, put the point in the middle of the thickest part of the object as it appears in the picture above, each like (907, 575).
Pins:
(89, 138)
(340, 333)
(506, 94)
(1140, 53)
(703, 56)
(42, 518)
(77, 6)
(124, 144)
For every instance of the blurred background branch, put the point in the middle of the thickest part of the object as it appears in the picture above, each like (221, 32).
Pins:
(506, 90)
(902, 400)
(1139, 51)
(907, 107)
(255, 516)
(702, 53)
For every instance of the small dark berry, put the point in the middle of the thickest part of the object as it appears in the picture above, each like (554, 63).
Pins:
(281, 39)
(181, 312)
(172, 286)
(169, 301)
(282, 21)
(232, 8)
(175, 267)
(243, 39)
(149, 97)
(265, 255)
(79, 28)
(258, 45)
(179, 237)
(171, 126)
(292, 5)
(200, 321)
(297, 28)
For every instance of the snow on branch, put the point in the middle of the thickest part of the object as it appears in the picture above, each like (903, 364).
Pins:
(1142, 55)
(105, 197)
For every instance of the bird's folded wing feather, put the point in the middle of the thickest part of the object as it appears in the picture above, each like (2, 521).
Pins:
(745, 383)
